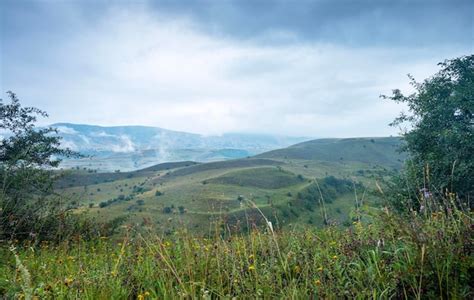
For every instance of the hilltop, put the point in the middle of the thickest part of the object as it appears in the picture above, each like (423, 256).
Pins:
(383, 151)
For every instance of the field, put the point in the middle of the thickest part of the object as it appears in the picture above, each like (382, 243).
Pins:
(192, 195)
(422, 256)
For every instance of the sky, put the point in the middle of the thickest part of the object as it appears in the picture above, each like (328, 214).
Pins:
(298, 68)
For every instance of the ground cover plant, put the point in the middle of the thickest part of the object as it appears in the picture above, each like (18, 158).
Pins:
(417, 256)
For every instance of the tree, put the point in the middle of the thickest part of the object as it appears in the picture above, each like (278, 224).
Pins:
(440, 141)
(27, 156)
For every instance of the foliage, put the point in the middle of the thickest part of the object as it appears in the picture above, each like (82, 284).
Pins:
(26, 155)
(393, 257)
(441, 138)
(327, 189)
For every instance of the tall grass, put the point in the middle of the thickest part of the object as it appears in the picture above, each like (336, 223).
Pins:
(412, 256)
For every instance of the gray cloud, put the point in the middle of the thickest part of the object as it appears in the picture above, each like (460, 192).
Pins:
(313, 68)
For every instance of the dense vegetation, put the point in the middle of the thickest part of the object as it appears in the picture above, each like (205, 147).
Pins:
(420, 257)
(414, 241)
(441, 139)
(26, 155)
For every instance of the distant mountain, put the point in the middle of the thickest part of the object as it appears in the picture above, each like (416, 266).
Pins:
(134, 147)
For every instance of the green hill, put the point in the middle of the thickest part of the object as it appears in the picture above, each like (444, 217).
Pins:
(381, 151)
(289, 185)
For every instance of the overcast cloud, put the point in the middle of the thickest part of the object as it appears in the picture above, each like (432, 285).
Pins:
(304, 68)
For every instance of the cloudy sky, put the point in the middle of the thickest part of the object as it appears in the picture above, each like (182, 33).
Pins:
(303, 68)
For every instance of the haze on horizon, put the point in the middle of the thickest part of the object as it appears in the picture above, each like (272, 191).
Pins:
(315, 68)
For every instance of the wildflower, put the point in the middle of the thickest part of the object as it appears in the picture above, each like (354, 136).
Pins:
(317, 282)
(140, 297)
(297, 269)
(68, 281)
(147, 293)
(252, 268)
(320, 269)
(251, 256)
(334, 257)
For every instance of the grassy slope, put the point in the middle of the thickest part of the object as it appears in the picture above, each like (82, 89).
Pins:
(375, 151)
(221, 189)
(394, 257)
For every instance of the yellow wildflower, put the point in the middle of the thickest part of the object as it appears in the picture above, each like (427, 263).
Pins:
(252, 268)
(140, 297)
(334, 257)
(68, 281)
(320, 269)
(317, 282)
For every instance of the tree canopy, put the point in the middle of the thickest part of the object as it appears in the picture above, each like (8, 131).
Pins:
(27, 154)
(440, 139)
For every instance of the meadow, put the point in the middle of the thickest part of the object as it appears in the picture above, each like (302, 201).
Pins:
(414, 256)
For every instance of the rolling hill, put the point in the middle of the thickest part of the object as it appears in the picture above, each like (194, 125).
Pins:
(382, 151)
(295, 185)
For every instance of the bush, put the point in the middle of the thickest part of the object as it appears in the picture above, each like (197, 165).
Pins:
(441, 141)
(27, 156)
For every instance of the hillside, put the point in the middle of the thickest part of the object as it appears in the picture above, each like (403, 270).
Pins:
(381, 151)
(281, 183)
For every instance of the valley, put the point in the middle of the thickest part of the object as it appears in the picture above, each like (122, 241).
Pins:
(129, 148)
(301, 185)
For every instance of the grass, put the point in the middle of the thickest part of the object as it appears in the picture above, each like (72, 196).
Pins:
(382, 151)
(264, 177)
(391, 257)
(213, 189)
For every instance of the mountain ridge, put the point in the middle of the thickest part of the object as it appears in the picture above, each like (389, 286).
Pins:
(136, 146)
